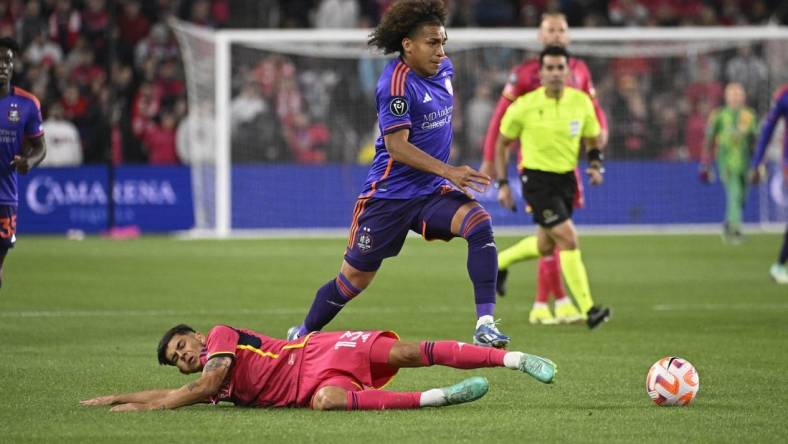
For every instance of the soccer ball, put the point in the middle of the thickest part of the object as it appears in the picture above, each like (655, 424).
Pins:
(672, 381)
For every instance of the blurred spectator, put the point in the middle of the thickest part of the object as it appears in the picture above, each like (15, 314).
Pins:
(62, 138)
(478, 113)
(42, 51)
(75, 107)
(30, 24)
(159, 140)
(98, 139)
(295, 13)
(695, 130)
(627, 13)
(247, 105)
(85, 71)
(145, 108)
(337, 14)
(157, 46)
(96, 27)
(707, 84)
(168, 81)
(64, 25)
(7, 19)
(307, 141)
(200, 14)
(132, 27)
(749, 70)
(630, 119)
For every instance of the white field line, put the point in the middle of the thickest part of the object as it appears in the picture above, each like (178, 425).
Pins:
(254, 312)
(501, 230)
(355, 311)
(720, 307)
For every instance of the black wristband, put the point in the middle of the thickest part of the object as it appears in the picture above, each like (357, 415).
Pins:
(595, 154)
(501, 182)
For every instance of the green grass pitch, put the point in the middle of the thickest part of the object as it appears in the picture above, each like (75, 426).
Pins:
(81, 319)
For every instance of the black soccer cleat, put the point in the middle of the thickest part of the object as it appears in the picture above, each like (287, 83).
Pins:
(597, 315)
(500, 282)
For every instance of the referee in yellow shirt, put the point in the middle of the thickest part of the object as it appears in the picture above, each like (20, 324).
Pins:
(552, 121)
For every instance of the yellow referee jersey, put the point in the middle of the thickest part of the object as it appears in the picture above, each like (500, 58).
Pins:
(550, 129)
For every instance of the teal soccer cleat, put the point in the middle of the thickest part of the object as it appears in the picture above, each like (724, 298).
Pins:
(468, 390)
(542, 369)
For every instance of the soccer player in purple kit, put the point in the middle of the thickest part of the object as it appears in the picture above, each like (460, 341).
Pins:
(21, 143)
(409, 185)
(778, 111)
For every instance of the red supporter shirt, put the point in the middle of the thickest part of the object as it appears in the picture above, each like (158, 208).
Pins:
(523, 79)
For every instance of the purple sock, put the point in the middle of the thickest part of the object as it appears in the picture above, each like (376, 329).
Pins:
(784, 250)
(329, 300)
(482, 259)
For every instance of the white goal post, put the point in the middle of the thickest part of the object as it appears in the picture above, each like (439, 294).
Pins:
(211, 71)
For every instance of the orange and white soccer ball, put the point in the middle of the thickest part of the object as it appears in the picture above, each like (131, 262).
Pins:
(672, 381)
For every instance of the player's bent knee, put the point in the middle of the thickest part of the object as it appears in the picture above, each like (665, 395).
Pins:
(477, 222)
(405, 354)
(329, 398)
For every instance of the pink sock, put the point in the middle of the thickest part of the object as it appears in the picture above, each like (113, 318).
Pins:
(460, 355)
(556, 283)
(542, 279)
(382, 400)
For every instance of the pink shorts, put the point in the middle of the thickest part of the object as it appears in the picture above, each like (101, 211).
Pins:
(353, 360)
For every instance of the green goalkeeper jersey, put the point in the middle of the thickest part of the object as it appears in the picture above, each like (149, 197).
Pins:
(733, 132)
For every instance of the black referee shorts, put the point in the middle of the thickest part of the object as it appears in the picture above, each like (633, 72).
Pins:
(550, 195)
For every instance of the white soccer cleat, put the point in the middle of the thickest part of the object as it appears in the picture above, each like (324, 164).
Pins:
(779, 273)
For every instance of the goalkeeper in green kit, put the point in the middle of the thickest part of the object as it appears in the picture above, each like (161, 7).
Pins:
(730, 136)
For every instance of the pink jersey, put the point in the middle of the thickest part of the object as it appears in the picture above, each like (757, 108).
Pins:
(269, 372)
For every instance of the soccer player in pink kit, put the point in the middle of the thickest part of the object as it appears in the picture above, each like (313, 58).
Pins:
(322, 370)
(410, 185)
(524, 78)
(778, 111)
(21, 143)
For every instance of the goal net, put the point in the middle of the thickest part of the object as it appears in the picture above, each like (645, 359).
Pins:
(283, 122)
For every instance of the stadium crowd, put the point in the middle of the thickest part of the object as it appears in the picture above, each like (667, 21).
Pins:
(111, 84)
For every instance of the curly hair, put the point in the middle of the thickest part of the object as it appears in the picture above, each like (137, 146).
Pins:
(403, 19)
(10, 43)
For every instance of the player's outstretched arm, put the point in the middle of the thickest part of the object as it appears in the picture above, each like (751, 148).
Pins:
(123, 398)
(34, 151)
(463, 177)
(209, 384)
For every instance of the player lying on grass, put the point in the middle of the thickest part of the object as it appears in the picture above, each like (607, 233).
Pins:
(322, 371)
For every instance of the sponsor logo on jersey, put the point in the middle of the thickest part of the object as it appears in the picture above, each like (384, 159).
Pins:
(427, 98)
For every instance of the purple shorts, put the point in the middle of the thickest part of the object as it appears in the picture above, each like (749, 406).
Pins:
(7, 228)
(380, 226)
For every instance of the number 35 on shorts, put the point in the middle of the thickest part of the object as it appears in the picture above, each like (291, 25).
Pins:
(7, 227)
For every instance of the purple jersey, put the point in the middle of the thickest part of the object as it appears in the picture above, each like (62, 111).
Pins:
(778, 111)
(423, 105)
(20, 118)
